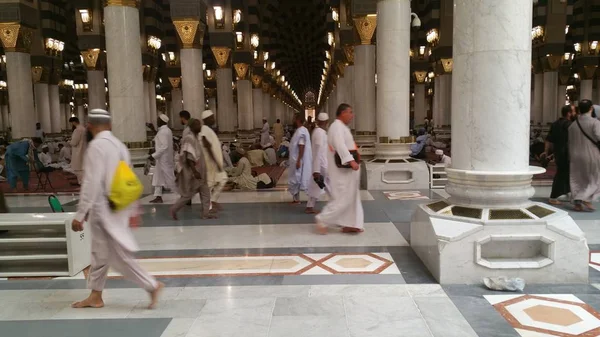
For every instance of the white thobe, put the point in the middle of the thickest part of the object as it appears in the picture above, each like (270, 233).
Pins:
(164, 171)
(216, 175)
(264, 134)
(298, 178)
(584, 159)
(344, 207)
(113, 243)
(45, 158)
(319, 163)
(446, 160)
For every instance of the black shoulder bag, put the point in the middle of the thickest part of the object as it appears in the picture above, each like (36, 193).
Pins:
(338, 160)
(586, 135)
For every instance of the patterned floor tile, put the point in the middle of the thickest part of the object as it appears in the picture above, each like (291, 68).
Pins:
(405, 195)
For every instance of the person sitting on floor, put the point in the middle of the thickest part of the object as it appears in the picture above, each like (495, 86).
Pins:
(64, 153)
(271, 155)
(241, 175)
(264, 181)
(442, 158)
(418, 149)
(257, 156)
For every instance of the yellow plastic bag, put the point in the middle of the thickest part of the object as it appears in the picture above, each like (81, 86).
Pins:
(125, 189)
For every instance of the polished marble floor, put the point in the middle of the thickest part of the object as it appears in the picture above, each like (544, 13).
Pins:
(260, 270)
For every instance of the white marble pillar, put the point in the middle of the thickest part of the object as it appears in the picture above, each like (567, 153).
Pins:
(124, 61)
(332, 104)
(67, 115)
(537, 112)
(3, 120)
(257, 102)
(420, 104)
(55, 115)
(341, 90)
(20, 94)
(393, 77)
(147, 112)
(42, 106)
(152, 102)
(586, 89)
(245, 106)
(349, 75)
(267, 109)
(176, 107)
(81, 113)
(550, 92)
(63, 114)
(364, 83)
(192, 81)
(96, 89)
(436, 102)
(212, 104)
(279, 111)
(444, 99)
(227, 116)
(561, 99)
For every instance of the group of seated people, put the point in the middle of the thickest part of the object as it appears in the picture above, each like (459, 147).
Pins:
(425, 143)
(241, 176)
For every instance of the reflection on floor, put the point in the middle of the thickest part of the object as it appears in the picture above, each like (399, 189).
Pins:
(260, 270)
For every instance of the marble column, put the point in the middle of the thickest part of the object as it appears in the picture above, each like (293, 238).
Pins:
(176, 107)
(550, 92)
(244, 99)
(279, 111)
(267, 109)
(124, 62)
(332, 104)
(147, 113)
(420, 104)
(67, 115)
(20, 88)
(192, 81)
(42, 106)
(96, 89)
(227, 116)
(341, 90)
(81, 113)
(561, 99)
(444, 99)
(4, 117)
(586, 89)
(55, 111)
(212, 104)
(393, 79)
(436, 102)
(537, 112)
(258, 113)
(364, 83)
(349, 75)
(152, 103)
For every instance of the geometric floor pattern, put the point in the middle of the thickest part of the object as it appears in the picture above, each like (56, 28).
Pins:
(547, 315)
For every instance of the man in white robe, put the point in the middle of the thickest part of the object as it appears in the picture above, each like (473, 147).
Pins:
(185, 117)
(78, 145)
(213, 156)
(164, 158)
(264, 133)
(319, 168)
(344, 208)
(300, 161)
(113, 243)
(584, 153)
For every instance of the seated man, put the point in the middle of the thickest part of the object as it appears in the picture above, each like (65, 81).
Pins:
(64, 153)
(44, 158)
(418, 149)
(442, 158)
(283, 151)
(271, 155)
(264, 181)
(257, 156)
(241, 175)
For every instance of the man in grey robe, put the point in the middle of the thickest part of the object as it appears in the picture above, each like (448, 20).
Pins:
(584, 135)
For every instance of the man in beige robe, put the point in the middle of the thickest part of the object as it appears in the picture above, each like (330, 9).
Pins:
(278, 132)
(78, 145)
(113, 243)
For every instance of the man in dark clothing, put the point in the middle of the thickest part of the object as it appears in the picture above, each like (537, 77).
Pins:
(557, 143)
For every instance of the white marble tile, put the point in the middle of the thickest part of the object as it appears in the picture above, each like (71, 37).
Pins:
(263, 236)
(111, 295)
(24, 296)
(360, 291)
(443, 318)
(249, 197)
(322, 306)
(178, 327)
(31, 310)
(289, 326)
(233, 318)
(242, 292)
(529, 333)
(112, 309)
(37, 201)
(425, 290)
(187, 308)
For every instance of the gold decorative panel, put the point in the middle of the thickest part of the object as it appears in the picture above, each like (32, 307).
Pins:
(124, 3)
(16, 37)
(175, 81)
(221, 55)
(467, 212)
(365, 26)
(187, 30)
(438, 206)
(349, 52)
(265, 87)
(256, 81)
(420, 76)
(241, 69)
(211, 92)
(341, 66)
(90, 58)
(508, 214)
(447, 65)
(588, 72)
(36, 73)
(553, 62)
(539, 211)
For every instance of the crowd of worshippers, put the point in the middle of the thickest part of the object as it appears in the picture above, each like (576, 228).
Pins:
(573, 144)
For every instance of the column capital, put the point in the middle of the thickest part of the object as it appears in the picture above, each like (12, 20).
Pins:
(55, 75)
(420, 76)
(552, 62)
(190, 32)
(90, 58)
(16, 37)
(265, 87)
(241, 69)
(256, 81)
(175, 82)
(149, 73)
(39, 74)
(211, 92)
(447, 65)
(588, 72)
(221, 55)
(349, 52)
(365, 26)
(122, 3)
(341, 66)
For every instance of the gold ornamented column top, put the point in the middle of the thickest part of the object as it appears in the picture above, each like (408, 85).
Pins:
(241, 69)
(256, 81)
(123, 3)
(588, 72)
(211, 92)
(553, 62)
(90, 58)
(190, 32)
(349, 52)
(16, 37)
(420, 76)
(221, 55)
(365, 26)
(36, 74)
(447, 65)
(341, 66)
(175, 82)
(265, 87)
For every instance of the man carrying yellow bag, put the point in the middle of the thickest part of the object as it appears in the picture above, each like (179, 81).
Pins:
(108, 197)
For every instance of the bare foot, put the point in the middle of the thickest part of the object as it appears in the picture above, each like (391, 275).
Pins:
(209, 216)
(554, 202)
(589, 205)
(154, 295)
(93, 301)
(310, 210)
(580, 208)
(216, 206)
(173, 215)
(352, 230)
(321, 229)
(295, 202)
